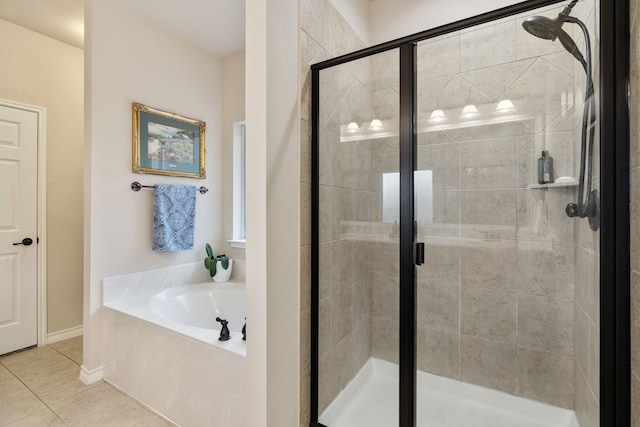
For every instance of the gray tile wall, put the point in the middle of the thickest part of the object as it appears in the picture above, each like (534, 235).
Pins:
(345, 306)
(587, 259)
(496, 296)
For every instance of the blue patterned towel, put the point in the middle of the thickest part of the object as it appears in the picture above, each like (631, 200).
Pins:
(174, 217)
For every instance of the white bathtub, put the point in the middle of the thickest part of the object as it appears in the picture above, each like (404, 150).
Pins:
(162, 348)
(199, 305)
(191, 310)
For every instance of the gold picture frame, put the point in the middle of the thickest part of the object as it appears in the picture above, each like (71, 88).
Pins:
(167, 144)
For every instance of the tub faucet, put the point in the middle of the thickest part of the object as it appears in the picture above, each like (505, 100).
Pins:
(224, 332)
(244, 330)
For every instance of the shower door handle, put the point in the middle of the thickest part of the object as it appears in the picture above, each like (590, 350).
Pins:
(418, 253)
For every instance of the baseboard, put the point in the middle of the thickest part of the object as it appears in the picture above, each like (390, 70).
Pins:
(64, 335)
(90, 377)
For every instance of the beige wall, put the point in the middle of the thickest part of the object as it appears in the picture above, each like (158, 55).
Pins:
(273, 211)
(128, 59)
(41, 71)
(635, 211)
(233, 72)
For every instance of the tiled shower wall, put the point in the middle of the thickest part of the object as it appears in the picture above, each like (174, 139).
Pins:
(587, 253)
(345, 200)
(496, 294)
(635, 211)
(325, 34)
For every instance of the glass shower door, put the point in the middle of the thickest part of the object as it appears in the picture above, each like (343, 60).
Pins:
(508, 297)
(358, 255)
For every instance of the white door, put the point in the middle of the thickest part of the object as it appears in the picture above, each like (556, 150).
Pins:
(18, 221)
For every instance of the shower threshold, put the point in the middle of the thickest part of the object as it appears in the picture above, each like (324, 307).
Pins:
(371, 400)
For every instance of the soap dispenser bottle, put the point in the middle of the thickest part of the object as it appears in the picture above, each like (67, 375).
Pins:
(545, 168)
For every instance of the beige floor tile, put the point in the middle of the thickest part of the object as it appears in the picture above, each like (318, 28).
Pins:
(71, 348)
(63, 388)
(49, 376)
(43, 417)
(30, 360)
(19, 407)
(31, 353)
(46, 374)
(91, 405)
(5, 374)
(75, 355)
(11, 387)
(126, 414)
(152, 420)
(71, 342)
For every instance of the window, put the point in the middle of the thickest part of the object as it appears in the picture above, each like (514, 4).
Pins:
(239, 186)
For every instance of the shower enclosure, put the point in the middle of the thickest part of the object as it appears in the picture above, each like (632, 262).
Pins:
(452, 283)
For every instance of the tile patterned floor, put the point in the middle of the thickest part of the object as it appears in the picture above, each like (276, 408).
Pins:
(40, 387)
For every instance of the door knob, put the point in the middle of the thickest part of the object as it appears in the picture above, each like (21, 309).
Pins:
(26, 241)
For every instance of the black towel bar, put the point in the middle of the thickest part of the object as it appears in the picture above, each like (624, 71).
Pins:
(136, 186)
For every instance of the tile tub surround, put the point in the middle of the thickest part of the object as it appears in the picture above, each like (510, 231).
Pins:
(152, 281)
(190, 380)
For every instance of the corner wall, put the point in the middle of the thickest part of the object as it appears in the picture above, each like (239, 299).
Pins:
(273, 211)
(42, 71)
(127, 60)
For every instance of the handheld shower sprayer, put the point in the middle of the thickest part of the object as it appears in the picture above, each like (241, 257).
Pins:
(551, 29)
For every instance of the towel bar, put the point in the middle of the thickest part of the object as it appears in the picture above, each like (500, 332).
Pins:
(136, 186)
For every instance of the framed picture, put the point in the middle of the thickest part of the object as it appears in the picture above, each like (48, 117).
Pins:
(166, 143)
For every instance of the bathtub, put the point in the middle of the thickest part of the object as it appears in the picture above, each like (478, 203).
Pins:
(199, 305)
(162, 348)
(191, 310)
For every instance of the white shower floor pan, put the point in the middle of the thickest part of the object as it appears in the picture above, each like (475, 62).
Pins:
(371, 400)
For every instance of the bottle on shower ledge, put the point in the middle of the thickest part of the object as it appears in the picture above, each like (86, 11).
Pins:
(545, 168)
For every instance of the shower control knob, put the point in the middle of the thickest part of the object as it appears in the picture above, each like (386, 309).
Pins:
(571, 210)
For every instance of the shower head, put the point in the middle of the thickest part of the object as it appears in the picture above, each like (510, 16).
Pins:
(547, 28)
(543, 27)
(551, 29)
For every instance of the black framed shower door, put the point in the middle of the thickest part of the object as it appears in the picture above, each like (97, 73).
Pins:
(614, 184)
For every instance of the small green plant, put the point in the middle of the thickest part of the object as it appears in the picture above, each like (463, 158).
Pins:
(211, 261)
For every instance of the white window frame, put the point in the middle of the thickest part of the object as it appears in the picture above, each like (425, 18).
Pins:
(238, 239)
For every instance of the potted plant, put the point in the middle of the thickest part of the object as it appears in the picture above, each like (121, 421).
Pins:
(219, 266)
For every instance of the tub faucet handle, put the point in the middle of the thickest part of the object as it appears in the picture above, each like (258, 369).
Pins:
(244, 330)
(224, 331)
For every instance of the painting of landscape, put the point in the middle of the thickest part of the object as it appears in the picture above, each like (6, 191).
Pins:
(165, 143)
(169, 144)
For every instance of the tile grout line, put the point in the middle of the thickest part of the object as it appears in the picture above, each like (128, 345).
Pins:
(57, 416)
(29, 390)
(32, 391)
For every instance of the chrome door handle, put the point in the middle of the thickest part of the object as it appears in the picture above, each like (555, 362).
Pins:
(26, 241)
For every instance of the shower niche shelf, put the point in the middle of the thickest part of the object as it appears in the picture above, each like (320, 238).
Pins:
(555, 184)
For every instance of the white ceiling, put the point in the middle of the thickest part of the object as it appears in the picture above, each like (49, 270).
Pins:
(216, 26)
